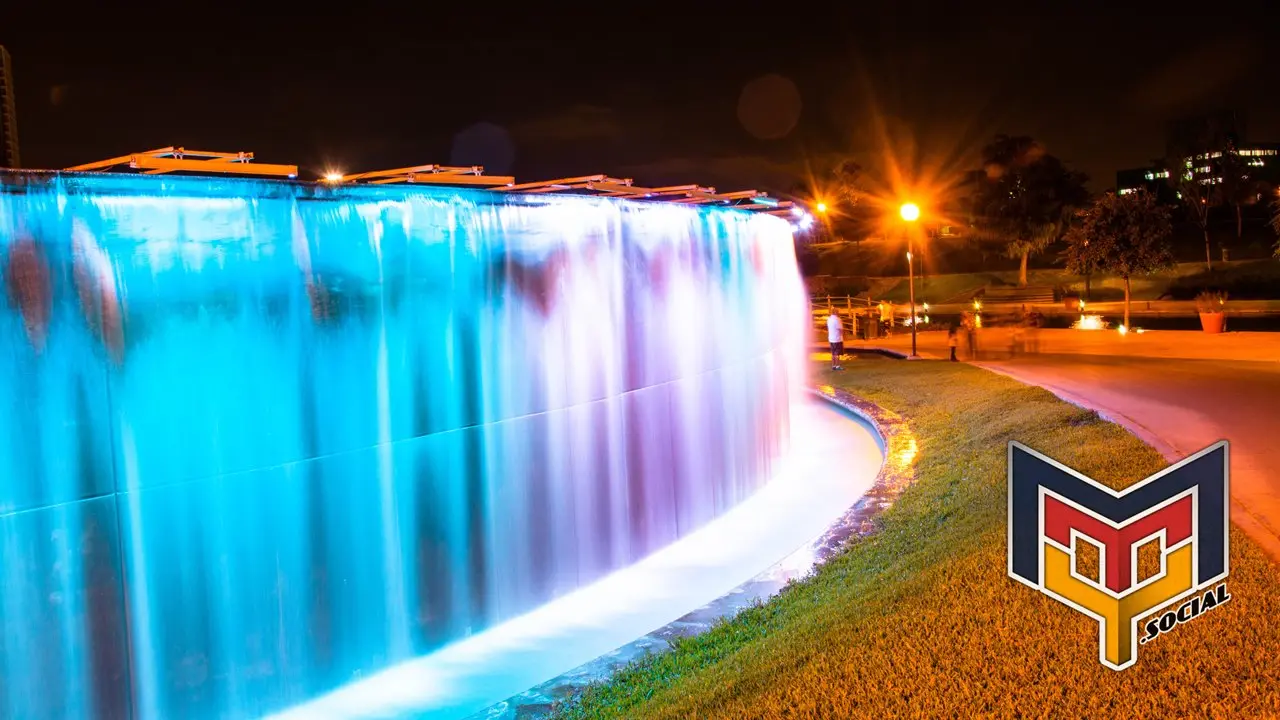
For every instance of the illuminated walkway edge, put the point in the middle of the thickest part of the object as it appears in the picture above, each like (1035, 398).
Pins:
(834, 459)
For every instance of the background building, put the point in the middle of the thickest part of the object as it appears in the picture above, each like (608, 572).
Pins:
(8, 114)
(1198, 145)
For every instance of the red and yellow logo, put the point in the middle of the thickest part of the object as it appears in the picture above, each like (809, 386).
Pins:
(1053, 510)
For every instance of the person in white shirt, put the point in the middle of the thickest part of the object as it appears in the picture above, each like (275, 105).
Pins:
(835, 336)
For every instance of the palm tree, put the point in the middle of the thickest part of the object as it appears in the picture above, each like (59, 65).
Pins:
(1023, 197)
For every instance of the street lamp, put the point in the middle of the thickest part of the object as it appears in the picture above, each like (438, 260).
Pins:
(822, 208)
(910, 212)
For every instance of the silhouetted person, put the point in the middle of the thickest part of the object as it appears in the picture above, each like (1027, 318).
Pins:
(953, 339)
(1034, 321)
(970, 323)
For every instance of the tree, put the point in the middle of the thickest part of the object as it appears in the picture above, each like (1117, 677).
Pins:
(1023, 197)
(1191, 183)
(1124, 234)
(1237, 186)
(1275, 224)
(1078, 259)
(807, 260)
(847, 185)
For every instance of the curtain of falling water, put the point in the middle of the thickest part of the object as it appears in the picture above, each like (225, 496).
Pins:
(258, 439)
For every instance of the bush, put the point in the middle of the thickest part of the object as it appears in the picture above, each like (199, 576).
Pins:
(1211, 301)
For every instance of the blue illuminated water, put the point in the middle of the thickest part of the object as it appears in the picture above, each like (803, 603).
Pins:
(260, 439)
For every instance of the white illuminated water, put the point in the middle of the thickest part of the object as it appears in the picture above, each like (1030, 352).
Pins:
(263, 441)
(834, 460)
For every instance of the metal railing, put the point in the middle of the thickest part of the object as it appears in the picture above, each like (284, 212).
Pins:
(859, 315)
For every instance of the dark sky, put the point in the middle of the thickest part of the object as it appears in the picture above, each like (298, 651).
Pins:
(662, 93)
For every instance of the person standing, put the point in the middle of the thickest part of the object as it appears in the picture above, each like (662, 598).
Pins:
(953, 339)
(835, 336)
(970, 323)
(1034, 321)
(886, 317)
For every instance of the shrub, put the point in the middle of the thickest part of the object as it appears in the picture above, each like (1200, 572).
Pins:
(1211, 301)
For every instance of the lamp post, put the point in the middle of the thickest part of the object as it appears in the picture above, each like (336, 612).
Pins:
(821, 209)
(910, 212)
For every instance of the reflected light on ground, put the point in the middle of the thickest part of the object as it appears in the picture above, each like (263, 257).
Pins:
(902, 455)
(1090, 322)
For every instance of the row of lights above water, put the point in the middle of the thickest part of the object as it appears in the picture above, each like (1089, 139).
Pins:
(801, 219)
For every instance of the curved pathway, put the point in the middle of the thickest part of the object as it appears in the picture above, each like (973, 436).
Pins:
(1180, 407)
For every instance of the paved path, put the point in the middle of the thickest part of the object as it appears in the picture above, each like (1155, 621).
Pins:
(1178, 391)
(994, 343)
(1138, 308)
(1180, 407)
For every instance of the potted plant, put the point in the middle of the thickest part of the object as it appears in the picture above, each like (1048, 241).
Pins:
(1212, 307)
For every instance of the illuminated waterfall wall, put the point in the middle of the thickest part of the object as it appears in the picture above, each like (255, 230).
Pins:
(258, 439)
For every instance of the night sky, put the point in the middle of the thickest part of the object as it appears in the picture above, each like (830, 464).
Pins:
(660, 93)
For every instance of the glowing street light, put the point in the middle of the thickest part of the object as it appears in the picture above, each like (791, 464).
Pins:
(910, 212)
(333, 177)
(821, 207)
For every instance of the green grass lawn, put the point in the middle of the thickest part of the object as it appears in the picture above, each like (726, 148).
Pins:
(920, 619)
(1242, 280)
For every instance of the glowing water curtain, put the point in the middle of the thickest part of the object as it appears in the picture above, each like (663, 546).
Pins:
(260, 438)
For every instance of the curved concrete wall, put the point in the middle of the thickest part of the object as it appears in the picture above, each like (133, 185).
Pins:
(260, 438)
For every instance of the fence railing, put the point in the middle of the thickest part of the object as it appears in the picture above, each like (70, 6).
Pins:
(860, 316)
